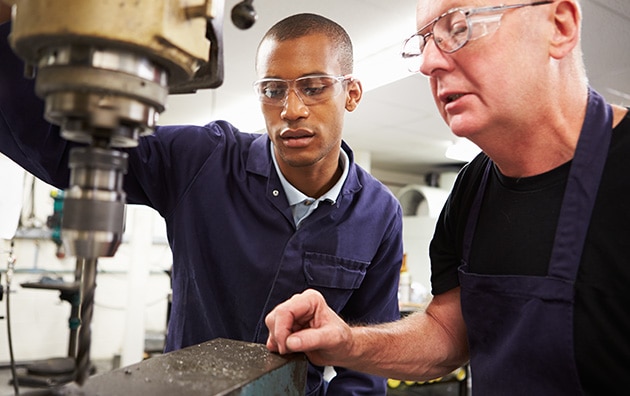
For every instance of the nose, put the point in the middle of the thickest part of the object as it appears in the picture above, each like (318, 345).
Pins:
(294, 106)
(432, 58)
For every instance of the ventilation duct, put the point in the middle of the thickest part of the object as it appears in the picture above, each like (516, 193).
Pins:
(419, 200)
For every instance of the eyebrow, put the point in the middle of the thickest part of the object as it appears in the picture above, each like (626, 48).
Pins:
(440, 16)
(303, 75)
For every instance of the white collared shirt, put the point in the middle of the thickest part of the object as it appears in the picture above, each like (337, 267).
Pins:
(302, 205)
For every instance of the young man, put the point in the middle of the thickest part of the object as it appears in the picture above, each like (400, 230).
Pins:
(253, 219)
(530, 267)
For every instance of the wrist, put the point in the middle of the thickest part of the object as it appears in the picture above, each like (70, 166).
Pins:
(356, 353)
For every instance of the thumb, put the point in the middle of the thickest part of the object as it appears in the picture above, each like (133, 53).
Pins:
(294, 343)
(307, 340)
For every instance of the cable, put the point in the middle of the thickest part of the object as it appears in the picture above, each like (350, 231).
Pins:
(16, 387)
(10, 267)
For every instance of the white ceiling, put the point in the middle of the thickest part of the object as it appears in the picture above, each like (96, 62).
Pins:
(396, 123)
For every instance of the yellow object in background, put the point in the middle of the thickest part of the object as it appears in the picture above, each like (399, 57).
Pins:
(393, 383)
(458, 374)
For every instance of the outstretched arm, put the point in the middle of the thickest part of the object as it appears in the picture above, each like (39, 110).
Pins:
(420, 347)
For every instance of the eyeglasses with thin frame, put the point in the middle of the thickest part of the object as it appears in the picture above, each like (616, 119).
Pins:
(455, 28)
(310, 89)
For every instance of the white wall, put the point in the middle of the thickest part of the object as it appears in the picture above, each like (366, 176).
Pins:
(419, 226)
(417, 233)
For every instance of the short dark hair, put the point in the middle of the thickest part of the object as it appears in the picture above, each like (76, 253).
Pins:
(300, 25)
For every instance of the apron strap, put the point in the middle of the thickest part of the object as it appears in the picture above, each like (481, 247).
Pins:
(473, 214)
(581, 189)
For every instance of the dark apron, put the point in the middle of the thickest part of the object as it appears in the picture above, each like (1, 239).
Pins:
(520, 328)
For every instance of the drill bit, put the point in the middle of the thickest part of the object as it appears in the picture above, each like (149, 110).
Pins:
(88, 286)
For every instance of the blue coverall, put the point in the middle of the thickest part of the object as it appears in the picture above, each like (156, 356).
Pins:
(236, 250)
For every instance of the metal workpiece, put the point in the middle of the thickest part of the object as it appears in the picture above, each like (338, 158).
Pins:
(220, 367)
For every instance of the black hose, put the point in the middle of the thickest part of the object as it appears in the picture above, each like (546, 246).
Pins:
(16, 387)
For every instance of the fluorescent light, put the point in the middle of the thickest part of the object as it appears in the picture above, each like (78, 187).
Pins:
(381, 68)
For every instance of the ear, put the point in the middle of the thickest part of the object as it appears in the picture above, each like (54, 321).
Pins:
(567, 18)
(354, 94)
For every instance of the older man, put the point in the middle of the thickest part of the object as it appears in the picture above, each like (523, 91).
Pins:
(530, 255)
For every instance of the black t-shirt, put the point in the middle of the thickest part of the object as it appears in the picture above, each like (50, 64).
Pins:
(514, 236)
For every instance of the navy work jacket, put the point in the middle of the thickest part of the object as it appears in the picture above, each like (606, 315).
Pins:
(236, 250)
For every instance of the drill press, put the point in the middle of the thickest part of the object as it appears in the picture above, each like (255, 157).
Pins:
(104, 69)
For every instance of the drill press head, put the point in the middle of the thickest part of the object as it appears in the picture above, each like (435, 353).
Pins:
(104, 69)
